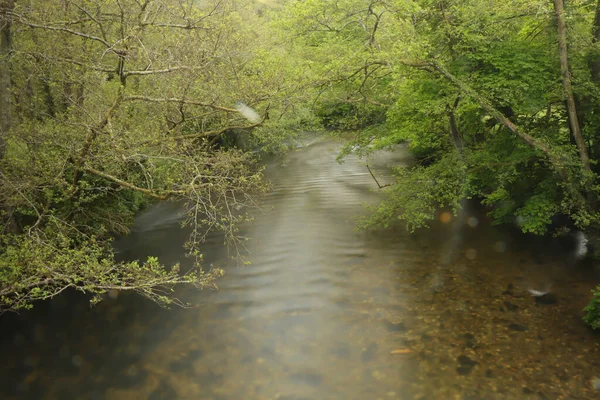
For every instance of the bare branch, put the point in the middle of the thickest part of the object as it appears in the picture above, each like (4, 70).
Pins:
(160, 71)
(100, 68)
(22, 20)
(188, 26)
(82, 9)
(375, 179)
(220, 131)
(179, 101)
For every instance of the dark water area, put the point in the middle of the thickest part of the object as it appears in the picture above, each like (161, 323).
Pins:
(324, 311)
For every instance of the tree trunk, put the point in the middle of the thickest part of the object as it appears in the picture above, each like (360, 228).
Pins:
(566, 77)
(5, 86)
(5, 99)
(456, 137)
(594, 66)
(556, 161)
(595, 60)
(493, 111)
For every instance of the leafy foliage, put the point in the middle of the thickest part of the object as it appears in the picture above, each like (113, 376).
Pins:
(496, 99)
(421, 191)
(592, 310)
(34, 268)
(117, 104)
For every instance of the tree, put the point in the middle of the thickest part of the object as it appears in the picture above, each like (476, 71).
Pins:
(117, 104)
(5, 48)
(472, 77)
(498, 100)
(566, 75)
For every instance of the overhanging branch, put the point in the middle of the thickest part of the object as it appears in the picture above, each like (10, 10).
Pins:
(160, 195)
(22, 20)
(159, 71)
(213, 133)
(179, 101)
(494, 112)
(220, 131)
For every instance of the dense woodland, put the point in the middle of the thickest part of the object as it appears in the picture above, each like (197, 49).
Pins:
(107, 105)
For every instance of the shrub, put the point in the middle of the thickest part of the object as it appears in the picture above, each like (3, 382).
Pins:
(592, 310)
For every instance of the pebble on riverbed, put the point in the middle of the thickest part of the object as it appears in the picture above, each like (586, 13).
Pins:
(466, 365)
(547, 299)
(518, 327)
(395, 327)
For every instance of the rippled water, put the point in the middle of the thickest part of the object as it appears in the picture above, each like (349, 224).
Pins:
(324, 311)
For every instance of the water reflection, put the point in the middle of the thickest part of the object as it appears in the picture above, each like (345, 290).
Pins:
(323, 311)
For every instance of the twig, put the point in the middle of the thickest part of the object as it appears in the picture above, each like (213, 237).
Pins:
(375, 179)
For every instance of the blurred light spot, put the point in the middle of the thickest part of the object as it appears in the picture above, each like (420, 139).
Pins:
(471, 254)
(445, 217)
(247, 112)
(500, 246)
(113, 293)
(581, 241)
(77, 361)
(520, 220)
(472, 222)
(537, 293)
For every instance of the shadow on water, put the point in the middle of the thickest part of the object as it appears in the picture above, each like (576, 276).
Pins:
(323, 311)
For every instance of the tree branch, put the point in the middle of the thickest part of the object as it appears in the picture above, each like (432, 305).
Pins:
(100, 68)
(568, 90)
(93, 133)
(187, 26)
(24, 21)
(375, 179)
(164, 196)
(86, 12)
(220, 131)
(159, 71)
(178, 101)
(215, 133)
(494, 112)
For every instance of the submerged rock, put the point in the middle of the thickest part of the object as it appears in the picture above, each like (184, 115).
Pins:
(464, 369)
(466, 365)
(469, 340)
(547, 299)
(518, 327)
(392, 327)
(509, 290)
(510, 306)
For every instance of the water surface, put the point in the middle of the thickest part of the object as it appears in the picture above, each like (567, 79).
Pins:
(324, 311)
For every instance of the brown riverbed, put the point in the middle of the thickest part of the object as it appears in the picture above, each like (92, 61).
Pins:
(324, 311)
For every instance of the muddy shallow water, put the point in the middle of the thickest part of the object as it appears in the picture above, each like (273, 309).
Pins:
(324, 311)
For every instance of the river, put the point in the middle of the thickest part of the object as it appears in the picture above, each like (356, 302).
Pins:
(324, 311)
